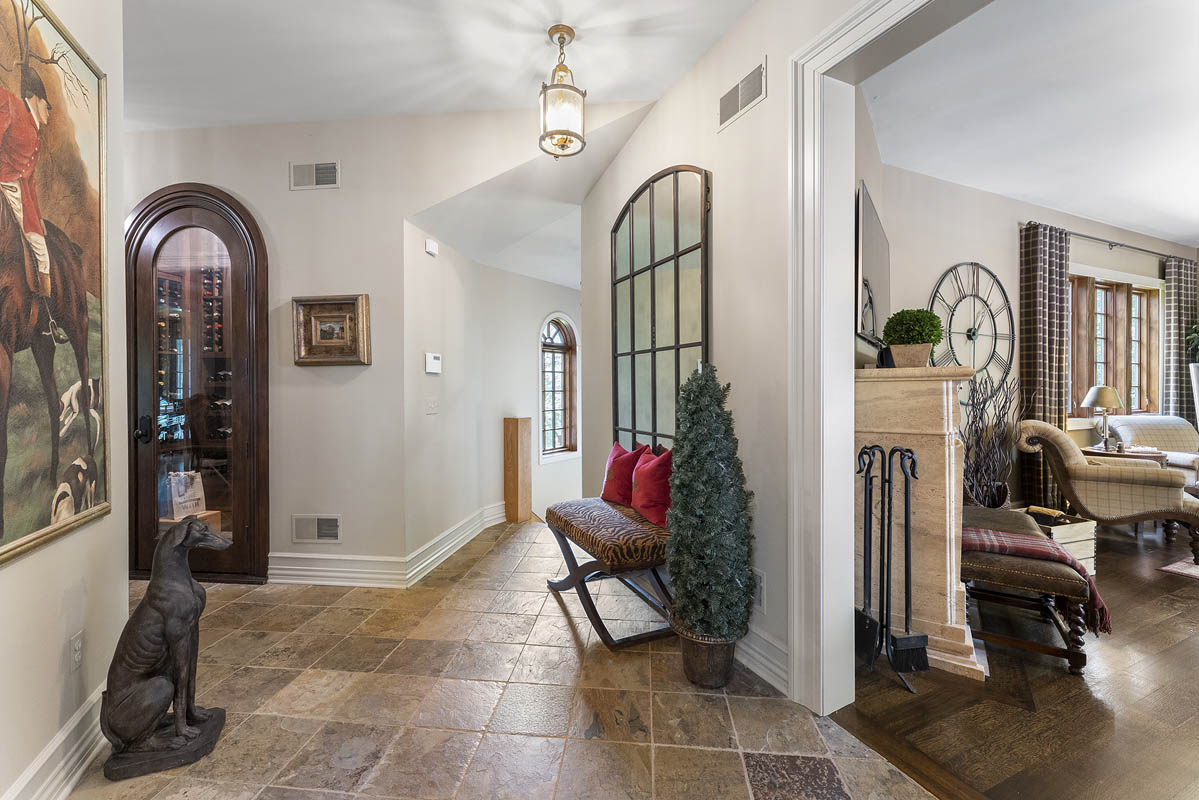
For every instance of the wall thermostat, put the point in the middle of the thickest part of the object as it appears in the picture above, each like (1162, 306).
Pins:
(433, 363)
(431, 247)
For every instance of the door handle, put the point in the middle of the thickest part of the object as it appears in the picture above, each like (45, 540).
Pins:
(144, 432)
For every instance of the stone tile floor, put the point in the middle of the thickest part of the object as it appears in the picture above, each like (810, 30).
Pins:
(479, 683)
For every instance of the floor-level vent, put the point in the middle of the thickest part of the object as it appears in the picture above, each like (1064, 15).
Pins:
(746, 93)
(315, 528)
(321, 175)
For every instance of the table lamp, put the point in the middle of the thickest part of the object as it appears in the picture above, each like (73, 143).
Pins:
(1103, 398)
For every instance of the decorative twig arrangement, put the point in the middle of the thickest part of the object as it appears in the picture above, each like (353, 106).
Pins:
(990, 418)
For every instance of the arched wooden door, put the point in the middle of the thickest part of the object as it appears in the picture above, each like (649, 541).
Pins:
(196, 268)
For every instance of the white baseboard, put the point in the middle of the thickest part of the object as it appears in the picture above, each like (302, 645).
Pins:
(424, 560)
(61, 763)
(766, 656)
(332, 569)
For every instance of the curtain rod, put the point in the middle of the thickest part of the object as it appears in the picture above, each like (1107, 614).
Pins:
(1112, 245)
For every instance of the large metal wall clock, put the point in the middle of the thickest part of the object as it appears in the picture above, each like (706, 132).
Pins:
(977, 317)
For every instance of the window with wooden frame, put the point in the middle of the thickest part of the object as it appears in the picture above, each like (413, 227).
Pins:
(1113, 341)
(557, 387)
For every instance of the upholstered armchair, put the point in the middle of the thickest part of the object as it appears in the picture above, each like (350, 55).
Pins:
(1113, 490)
(1174, 436)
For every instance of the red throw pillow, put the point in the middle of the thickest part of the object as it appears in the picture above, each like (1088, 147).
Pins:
(618, 477)
(651, 486)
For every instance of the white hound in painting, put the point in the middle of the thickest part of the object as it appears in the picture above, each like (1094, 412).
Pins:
(77, 490)
(72, 401)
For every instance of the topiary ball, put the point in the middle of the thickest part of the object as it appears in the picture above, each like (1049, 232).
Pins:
(913, 326)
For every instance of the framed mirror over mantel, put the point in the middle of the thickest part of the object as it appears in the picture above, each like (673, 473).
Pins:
(660, 285)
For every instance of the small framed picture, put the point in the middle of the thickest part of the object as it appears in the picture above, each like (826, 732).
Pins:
(332, 330)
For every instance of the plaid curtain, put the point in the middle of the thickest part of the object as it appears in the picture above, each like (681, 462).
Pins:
(1044, 342)
(1180, 316)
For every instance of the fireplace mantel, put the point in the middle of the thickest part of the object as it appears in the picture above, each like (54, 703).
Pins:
(918, 408)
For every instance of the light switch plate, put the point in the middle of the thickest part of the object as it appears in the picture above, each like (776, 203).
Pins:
(432, 405)
(431, 247)
(433, 363)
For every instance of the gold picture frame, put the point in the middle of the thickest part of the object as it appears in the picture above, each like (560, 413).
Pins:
(332, 330)
(41, 502)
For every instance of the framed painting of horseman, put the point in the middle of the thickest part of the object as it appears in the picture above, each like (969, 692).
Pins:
(54, 466)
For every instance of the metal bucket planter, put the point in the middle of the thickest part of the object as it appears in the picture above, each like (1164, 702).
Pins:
(707, 660)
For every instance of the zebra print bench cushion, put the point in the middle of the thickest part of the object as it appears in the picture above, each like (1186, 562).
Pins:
(614, 534)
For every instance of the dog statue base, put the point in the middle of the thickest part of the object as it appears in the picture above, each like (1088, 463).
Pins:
(133, 764)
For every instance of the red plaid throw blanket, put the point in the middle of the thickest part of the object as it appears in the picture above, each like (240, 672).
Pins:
(985, 540)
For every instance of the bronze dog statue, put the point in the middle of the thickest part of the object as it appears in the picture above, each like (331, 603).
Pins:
(154, 666)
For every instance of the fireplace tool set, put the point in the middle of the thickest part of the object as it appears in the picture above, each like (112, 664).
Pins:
(907, 651)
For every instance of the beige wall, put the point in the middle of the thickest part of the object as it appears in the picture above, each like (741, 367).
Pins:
(485, 323)
(868, 164)
(749, 240)
(77, 583)
(340, 241)
(933, 224)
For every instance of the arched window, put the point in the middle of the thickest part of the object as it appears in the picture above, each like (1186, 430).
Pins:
(557, 387)
(659, 302)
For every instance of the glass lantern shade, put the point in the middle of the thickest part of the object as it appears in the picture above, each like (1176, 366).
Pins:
(562, 115)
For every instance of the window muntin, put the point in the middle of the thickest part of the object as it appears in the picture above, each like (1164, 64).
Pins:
(557, 388)
(659, 302)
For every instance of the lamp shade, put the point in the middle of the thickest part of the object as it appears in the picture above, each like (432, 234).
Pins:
(562, 115)
(1102, 397)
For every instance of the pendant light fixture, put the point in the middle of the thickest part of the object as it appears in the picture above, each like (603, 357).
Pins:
(562, 103)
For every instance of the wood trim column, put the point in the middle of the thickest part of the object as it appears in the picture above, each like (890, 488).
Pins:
(518, 469)
(1150, 359)
(1082, 342)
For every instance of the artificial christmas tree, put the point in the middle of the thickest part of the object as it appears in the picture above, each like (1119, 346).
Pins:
(708, 552)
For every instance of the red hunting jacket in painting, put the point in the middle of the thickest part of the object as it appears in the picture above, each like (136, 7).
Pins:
(19, 145)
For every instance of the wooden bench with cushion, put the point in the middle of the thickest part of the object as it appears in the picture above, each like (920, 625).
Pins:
(623, 544)
(1049, 587)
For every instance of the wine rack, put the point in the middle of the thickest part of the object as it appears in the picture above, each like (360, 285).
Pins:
(170, 376)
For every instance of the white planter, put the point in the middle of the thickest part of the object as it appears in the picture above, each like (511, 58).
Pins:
(1195, 383)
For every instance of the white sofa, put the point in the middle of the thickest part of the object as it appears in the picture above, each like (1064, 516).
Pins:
(1174, 436)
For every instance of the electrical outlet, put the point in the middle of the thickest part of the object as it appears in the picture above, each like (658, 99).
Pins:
(76, 645)
(432, 405)
(759, 589)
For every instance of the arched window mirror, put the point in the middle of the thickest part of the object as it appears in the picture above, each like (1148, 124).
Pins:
(659, 301)
(557, 387)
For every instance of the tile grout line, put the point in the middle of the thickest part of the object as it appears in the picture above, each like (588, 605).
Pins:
(653, 744)
(740, 749)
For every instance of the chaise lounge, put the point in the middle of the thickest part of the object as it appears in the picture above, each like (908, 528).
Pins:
(1111, 490)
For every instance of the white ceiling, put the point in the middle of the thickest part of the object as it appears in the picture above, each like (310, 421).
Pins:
(528, 220)
(232, 62)
(1084, 106)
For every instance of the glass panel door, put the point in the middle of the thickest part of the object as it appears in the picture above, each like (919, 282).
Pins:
(194, 387)
(197, 272)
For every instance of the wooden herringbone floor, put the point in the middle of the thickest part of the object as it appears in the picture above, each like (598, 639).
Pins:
(1127, 728)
